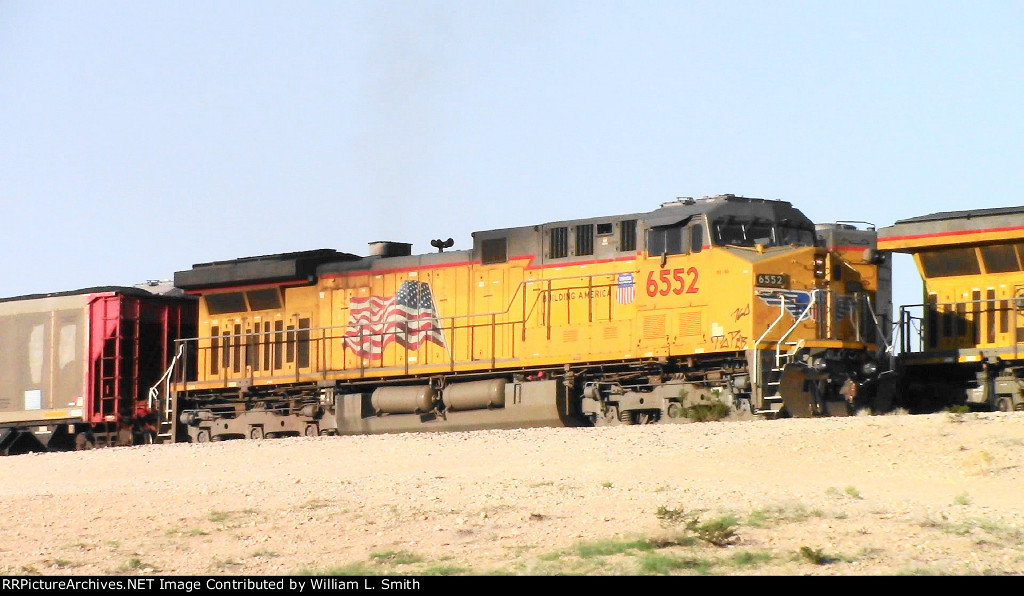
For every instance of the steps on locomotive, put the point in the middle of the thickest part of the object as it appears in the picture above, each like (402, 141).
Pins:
(772, 399)
(772, 403)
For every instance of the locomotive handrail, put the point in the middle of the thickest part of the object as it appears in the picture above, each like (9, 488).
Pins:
(878, 327)
(803, 317)
(522, 285)
(165, 380)
(322, 336)
(965, 328)
(907, 324)
(756, 361)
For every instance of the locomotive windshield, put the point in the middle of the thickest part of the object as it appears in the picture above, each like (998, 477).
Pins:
(748, 231)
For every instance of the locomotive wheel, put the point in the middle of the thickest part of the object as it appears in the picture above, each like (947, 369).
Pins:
(609, 418)
(256, 433)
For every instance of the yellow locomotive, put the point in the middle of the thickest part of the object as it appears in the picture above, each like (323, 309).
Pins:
(622, 319)
(963, 344)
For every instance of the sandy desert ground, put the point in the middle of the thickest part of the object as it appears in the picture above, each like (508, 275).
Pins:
(890, 495)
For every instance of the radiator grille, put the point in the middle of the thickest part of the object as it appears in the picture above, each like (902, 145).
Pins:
(654, 327)
(690, 323)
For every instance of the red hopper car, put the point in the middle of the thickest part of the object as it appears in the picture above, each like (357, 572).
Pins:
(77, 367)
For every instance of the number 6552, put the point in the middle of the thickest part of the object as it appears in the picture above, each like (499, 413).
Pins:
(676, 281)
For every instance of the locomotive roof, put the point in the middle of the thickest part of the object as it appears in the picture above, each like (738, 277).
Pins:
(283, 267)
(965, 215)
(683, 208)
(296, 266)
(723, 205)
(953, 228)
(93, 290)
(302, 255)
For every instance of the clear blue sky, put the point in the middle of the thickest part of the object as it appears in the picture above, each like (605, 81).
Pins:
(139, 138)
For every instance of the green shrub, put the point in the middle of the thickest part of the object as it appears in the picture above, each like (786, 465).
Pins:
(716, 410)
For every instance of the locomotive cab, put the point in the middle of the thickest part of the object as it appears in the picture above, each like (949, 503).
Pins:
(773, 314)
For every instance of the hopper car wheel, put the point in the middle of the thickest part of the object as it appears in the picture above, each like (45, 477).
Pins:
(644, 418)
(83, 442)
(1005, 404)
(312, 430)
(256, 432)
(203, 436)
(674, 410)
(626, 417)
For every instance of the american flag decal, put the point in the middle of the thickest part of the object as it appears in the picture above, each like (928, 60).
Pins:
(625, 292)
(409, 318)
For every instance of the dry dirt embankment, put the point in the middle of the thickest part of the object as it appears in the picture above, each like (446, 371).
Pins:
(865, 495)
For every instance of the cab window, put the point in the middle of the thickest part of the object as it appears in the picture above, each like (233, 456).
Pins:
(1000, 258)
(950, 262)
(696, 238)
(680, 238)
(267, 299)
(789, 233)
(665, 240)
(230, 302)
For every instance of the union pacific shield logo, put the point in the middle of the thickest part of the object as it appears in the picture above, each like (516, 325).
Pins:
(625, 293)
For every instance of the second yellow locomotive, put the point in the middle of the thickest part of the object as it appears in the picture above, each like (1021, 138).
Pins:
(622, 319)
(962, 346)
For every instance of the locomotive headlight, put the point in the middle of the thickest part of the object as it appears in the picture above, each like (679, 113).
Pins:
(869, 368)
(819, 266)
